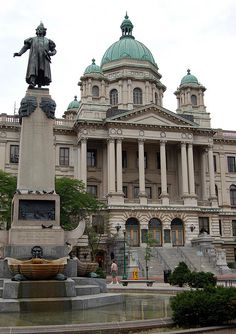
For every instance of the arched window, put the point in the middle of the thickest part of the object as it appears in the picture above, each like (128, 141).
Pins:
(95, 91)
(137, 96)
(194, 100)
(233, 195)
(177, 232)
(113, 97)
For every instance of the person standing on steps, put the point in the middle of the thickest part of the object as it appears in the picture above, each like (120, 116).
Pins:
(114, 272)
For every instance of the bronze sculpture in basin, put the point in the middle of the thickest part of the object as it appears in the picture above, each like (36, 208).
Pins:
(37, 268)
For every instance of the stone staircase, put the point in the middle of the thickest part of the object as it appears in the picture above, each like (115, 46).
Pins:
(169, 258)
(73, 294)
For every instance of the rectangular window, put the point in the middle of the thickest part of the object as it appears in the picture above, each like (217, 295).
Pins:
(158, 160)
(144, 234)
(220, 226)
(92, 190)
(64, 156)
(125, 191)
(234, 227)
(231, 164)
(204, 224)
(148, 191)
(98, 224)
(14, 154)
(124, 159)
(136, 192)
(91, 158)
(214, 161)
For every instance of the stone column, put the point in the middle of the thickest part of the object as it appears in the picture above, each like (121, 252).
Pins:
(130, 97)
(2, 155)
(83, 161)
(77, 162)
(191, 170)
(164, 194)
(184, 169)
(223, 179)
(120, 99)
(119, 166)
(111, 166)
(142, 193)
(212, 197)
(104, 171)
(203, 175)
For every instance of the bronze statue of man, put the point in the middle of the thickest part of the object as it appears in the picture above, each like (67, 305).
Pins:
(41, 49)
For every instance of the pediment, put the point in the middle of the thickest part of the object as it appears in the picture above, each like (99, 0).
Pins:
(152, 115)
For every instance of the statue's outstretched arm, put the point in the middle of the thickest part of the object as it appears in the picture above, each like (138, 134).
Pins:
(23, 50)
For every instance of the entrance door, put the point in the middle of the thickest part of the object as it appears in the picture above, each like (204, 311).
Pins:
(177, 233)
(132, 232)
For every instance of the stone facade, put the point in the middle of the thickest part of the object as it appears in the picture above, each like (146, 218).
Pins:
(157, 170)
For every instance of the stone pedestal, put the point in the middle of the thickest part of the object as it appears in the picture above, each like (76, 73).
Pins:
(36, 206)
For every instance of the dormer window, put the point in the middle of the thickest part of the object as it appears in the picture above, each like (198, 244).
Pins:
(95, 91)
(194, 100)
(137, 96)
(113, 97)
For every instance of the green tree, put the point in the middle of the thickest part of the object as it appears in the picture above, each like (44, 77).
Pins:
(150, 242)
(75, 203)
(7, 190)
(180, 275)
(94, 234)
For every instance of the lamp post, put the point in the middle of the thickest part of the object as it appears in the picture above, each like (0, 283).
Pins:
(124, 274)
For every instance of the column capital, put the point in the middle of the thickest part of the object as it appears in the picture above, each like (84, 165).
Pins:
(83, 139)
(141, 140)
(111, 140)
(163, 141)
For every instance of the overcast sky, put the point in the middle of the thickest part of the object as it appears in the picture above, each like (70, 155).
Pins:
(181, 34)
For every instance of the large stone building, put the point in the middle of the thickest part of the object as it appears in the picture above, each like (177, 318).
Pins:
(157, 170)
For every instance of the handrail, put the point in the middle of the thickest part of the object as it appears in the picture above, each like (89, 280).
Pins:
(162, 260)
(186, 259)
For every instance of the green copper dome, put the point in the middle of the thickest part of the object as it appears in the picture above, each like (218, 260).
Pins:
(127, 47)
(189, 79)
(93, 68)
(74, 104)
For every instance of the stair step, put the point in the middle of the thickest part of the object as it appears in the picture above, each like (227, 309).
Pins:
(82, 290)
(56, 304)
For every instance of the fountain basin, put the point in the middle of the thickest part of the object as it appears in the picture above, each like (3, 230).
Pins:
(37, 269)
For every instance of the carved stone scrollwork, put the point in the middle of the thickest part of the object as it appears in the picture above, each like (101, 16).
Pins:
(48, 106)
(27, 106)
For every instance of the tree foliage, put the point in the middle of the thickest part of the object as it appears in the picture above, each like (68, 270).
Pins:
(180, 275)
(75, 203)
(7, 190)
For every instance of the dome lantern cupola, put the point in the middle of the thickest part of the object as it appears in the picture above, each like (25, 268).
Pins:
(190, 99)
(126, 27)
(189, 79)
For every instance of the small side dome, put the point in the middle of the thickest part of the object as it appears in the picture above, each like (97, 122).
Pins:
(189, 79)
(74, 104)
(93, 68)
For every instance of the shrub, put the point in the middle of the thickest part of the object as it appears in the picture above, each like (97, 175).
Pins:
(101, 273)
(211, 306)
(201, 279)
(180, 275)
